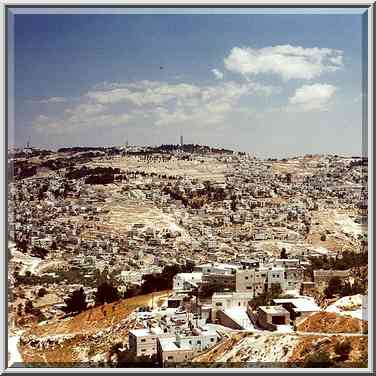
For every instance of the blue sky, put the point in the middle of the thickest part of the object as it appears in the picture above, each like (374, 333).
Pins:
(272, 85)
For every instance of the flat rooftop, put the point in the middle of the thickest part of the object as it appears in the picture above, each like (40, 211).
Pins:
(274, 310)
(170, 344)
(145, 332)
(300, 304)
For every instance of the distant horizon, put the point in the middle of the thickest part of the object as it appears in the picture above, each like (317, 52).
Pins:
(204, 145)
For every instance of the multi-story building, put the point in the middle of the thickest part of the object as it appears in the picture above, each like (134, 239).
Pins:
(185, 282)
(228, 300)
(143, 342)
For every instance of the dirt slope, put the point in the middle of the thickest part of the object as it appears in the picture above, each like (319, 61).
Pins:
(330, 322)
(80, 338)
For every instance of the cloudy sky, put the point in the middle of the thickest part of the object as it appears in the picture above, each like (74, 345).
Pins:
(269, 84)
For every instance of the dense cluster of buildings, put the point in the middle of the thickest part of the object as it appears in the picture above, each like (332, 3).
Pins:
(221, 225)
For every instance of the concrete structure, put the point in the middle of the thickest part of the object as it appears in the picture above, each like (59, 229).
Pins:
(225, 301)
(324, 276)
(185, 282)
(143, 342)
(298, 308)
(217, 268)
(175, 301)
(235, 318)
(286, 273)
(170, 351)
(199, 339)
(269, 317)
(220, 282)
(251, 281)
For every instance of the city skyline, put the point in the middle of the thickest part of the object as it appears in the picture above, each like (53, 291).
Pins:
(261, 84)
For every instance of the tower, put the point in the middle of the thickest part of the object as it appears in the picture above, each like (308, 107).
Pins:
(181, 140)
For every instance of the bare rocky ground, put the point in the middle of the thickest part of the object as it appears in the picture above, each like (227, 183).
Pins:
(84, 338)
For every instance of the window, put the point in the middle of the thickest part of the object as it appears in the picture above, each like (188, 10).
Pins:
(170, 358)
(211, 339)
(249, 287)
(190, 342)
(143, 340)
(143, 350)
(245, 277)
(199, 342)
(239, 304)
(218, 304)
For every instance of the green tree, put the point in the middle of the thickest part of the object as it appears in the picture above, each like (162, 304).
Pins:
(334, 287)
(29, 306)
(76, 301)
(19, 309)
(106, 293)
(283, 254)
(266, 297)
(42, 292)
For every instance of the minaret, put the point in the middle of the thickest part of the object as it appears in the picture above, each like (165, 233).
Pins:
(181, 141)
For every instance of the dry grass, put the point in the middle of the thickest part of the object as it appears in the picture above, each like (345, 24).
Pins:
(309, 345)
(222, 347)
(329, 322)
(92, 332)
(97, 318)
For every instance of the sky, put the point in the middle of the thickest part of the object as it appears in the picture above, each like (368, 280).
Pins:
(273, 85)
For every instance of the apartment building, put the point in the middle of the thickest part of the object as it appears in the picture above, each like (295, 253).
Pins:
(143, 342)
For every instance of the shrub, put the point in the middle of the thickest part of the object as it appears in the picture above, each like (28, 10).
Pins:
(318, 360)
(42, 292)
(334, 287)
(28, 306)
(283, 254)
(343, 349)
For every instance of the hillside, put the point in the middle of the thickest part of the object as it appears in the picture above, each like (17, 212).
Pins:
(76, 339)
(330, 322)
(280, 350)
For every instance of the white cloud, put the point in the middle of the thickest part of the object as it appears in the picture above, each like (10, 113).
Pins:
(311, 97)
(83, 116)
(218, 74)
(144, 93)
(161, 103)
(288, 62)
(211, 105)
(53, 100)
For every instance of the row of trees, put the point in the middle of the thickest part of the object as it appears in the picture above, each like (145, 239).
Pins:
(85, 172)
(266, 298)
(107, 291)
(337, 287)
(347, 260)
